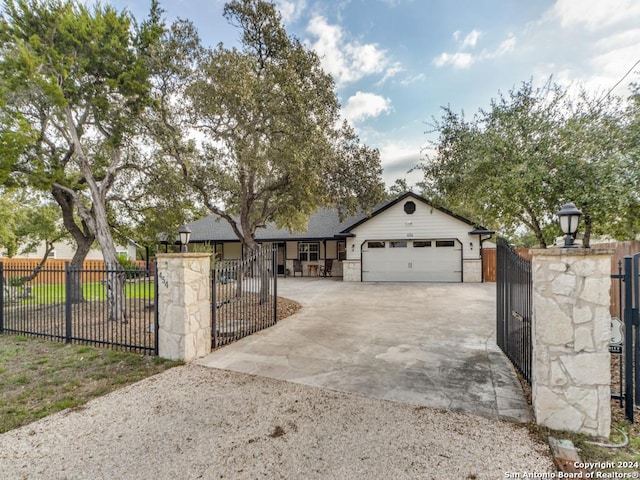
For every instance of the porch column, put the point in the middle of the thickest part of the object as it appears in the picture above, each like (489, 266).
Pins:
(571, 332)
(184, 306)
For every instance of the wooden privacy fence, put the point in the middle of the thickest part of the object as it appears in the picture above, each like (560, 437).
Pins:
(55, 269)
(489, 262)
(622, 249)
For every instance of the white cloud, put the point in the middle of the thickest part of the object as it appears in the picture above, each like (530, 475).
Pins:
(505, 47)
(397, 160)
(593, 14)
(619, 40)
(413, 79)
(291, 10)
(391, 72)
(364, 105)
(471, 40)
(595, 43)
(347, 60)
(462, 60)
(457, 60)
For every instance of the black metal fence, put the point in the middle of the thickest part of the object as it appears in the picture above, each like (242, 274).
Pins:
(628, 353)
(514, 301)
(80, 306)
(244, 296)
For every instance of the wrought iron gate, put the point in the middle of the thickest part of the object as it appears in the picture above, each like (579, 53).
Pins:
(629, 306)
(244, 296)
(514, 296)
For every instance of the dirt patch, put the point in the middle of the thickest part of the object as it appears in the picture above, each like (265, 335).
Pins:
(89, 322)
(236, 318)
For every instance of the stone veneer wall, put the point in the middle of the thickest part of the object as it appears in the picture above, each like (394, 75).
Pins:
(571, 376)
(472, 270)
(184, 306)
(351, 271)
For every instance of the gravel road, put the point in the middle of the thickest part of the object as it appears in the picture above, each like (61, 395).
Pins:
(193, 422)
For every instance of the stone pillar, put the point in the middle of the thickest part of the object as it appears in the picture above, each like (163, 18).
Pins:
(351, 271)
(571, 368)
(184, 305)
(472, 270)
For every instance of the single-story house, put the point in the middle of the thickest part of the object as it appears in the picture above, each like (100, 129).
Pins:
(405, 239)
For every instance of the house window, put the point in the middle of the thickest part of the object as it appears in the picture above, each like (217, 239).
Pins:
(398, 244)
(375, 244)
(409, 208)
(308, 252)
(445, 243)
(421, 243)
(342, 251)
(52, 254)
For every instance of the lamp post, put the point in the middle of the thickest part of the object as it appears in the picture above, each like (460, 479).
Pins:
(569, 217)
(185, 234)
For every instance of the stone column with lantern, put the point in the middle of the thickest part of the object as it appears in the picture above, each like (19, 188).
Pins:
(571, 334)
(184, 305)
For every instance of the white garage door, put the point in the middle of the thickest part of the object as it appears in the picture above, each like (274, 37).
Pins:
(438, 260)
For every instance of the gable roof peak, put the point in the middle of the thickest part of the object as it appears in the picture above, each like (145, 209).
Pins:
(399, 199)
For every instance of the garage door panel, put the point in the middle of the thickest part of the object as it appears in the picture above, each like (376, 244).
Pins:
(427, 261)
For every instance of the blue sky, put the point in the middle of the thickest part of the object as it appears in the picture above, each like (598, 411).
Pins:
(397, 62)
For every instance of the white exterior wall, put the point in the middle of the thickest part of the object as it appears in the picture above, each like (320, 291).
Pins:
(425, 223)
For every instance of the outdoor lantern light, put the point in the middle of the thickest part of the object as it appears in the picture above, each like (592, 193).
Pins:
(185, 234)
(569, 217)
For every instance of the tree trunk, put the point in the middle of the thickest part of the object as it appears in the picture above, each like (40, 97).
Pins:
(98, 220)
(259, 266)
(36, 271)
(82, 236)
(586, 241)
(83, 245)
(116, 306)
(264, 262)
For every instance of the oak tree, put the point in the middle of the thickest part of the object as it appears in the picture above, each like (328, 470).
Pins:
(515, 164)
(78, 76)
(255, 130)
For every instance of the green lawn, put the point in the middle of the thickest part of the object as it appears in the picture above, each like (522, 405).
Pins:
(55, 293)
(38, 377)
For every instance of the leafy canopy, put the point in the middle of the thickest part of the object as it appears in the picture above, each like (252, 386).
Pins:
(516, 163)
(255, 131)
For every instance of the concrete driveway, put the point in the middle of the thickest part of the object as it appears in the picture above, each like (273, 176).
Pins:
(430, 345)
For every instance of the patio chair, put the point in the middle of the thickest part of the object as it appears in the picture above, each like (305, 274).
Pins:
(325, 270)
(297, 267)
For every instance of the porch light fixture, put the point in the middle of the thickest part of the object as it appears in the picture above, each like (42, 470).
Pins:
(569, 217)
(185, 234)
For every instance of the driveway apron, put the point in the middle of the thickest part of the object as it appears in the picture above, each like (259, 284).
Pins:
(423, 344)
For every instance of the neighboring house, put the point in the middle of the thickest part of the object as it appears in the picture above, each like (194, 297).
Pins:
(406, 239)
(65, 251)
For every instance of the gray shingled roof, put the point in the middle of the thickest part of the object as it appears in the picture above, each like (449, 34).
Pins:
(324, 223)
